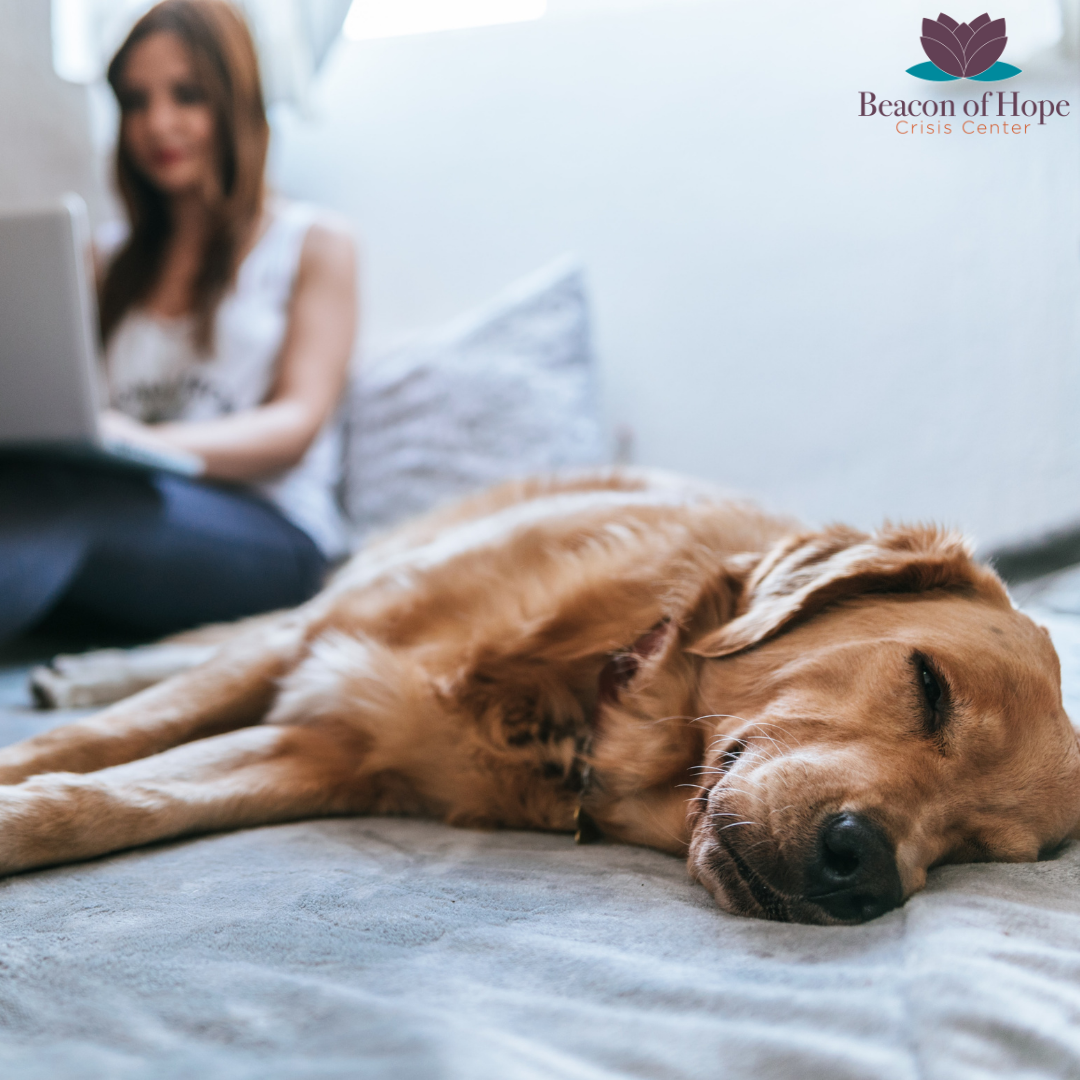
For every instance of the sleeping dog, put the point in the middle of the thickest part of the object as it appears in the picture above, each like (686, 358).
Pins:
(813, 719)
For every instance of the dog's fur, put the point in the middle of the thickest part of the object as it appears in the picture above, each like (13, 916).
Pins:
(701, 677)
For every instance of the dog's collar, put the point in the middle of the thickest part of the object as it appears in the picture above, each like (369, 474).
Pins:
(586, 831)
(620, 668)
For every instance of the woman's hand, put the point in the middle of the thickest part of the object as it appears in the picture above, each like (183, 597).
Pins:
(119, 427)
(314, 362)
(119, 431)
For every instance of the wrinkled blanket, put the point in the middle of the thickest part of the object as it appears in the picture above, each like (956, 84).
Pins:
(401, 949)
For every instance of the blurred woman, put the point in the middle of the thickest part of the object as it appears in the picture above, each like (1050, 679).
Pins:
(228, 318)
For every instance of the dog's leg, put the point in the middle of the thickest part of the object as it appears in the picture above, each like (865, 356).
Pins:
(104, 676)
(100, 677)
(267, 773)
(232, 690)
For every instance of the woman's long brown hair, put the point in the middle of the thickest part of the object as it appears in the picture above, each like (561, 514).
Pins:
(227, 71)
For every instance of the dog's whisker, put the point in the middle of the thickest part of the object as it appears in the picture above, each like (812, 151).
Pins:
(667, 719)
(731, 789)
(721, 736)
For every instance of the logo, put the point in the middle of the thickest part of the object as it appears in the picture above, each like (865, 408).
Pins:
(963, 50)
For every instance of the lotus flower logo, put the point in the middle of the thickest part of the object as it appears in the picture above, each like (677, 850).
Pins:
(963, 50)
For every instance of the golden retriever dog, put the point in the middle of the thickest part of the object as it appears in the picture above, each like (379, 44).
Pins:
(813, 719)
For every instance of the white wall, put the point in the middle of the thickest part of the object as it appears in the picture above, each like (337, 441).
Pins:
(44, 135)
(790, 299)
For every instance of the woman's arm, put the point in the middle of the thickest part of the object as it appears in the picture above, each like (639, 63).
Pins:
(314, 362)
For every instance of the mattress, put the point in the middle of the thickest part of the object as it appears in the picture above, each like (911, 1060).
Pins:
(393, 948)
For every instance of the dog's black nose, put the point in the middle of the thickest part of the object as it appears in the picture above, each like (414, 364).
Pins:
(852, 873)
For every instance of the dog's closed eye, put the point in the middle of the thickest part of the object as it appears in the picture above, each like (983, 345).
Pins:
(933, 692)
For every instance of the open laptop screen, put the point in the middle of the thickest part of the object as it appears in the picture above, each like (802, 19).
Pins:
(48, 348)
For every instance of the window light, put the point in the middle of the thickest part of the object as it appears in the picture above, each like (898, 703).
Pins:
(390, 18)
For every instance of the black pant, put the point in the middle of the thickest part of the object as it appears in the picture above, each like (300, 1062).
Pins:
(155, 553)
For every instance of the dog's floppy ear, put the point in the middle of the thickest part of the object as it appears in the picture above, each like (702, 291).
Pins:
(802, 574)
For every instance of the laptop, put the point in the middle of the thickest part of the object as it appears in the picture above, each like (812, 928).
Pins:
(51, 376)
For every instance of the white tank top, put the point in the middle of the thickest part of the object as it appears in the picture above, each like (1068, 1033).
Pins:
(155, 373)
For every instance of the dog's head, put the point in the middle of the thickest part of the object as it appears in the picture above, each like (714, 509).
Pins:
(882, 708)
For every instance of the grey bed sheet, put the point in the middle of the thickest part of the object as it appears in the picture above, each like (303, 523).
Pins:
(401, 949)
